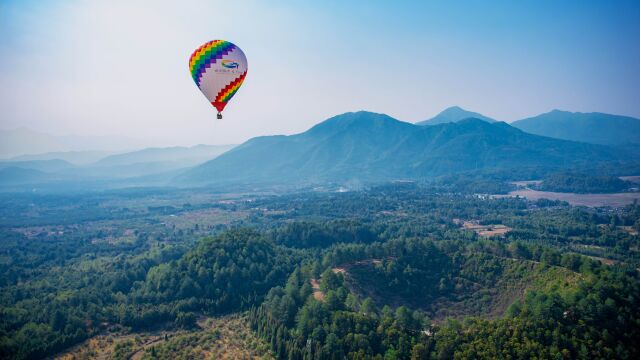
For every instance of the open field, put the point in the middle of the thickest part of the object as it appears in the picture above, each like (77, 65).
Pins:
(589, 200)
(633, 179)
(526, 183)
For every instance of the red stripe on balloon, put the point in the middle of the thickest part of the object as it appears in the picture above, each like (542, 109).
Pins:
(237, 80)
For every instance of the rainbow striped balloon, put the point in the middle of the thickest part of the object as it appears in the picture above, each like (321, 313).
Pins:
(218, 68)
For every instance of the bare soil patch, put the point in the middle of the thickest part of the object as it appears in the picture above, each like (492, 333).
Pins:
(317, 293)
(484, 230)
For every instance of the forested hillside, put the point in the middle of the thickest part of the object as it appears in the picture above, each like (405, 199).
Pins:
(594, 316)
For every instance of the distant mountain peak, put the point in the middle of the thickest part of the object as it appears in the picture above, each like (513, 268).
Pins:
(356, 121)
(359, 116)
(455, 110)
(454, 114)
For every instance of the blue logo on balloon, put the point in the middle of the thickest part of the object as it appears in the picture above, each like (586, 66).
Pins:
(230, 64)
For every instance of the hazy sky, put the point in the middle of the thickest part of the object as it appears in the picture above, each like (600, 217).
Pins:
(119, 67)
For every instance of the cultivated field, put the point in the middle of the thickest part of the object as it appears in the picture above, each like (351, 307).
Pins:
(590, 200)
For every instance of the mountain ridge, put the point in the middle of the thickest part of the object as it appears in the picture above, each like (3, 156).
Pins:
(364, 146)
(137, 165)
(190, 154)
(593, 127)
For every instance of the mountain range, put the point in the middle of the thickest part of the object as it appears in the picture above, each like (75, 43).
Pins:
(360, 146)
(139, 166)
(21, 141)
(594, 128)
(73, 157)
(188, 156)
(365, 146)
(153, 161)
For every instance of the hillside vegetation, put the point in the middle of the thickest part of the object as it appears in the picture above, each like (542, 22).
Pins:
(383, 272)
(471, 283)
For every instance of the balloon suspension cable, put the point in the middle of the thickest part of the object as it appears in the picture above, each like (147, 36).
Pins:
(219, 115)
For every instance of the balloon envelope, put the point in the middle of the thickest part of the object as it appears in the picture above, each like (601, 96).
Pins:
(218, 67)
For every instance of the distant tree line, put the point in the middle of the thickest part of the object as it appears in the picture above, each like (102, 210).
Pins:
(583, 183)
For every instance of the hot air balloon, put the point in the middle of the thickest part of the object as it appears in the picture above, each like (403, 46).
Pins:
(218, 67)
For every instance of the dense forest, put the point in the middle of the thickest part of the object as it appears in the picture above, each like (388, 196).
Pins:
(594, 317)
(389, 272)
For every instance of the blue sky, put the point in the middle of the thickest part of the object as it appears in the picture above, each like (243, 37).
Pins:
(120, 67)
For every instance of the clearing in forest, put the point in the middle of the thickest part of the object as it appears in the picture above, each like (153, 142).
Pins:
(228, 337)
(483, 230)
(469, 290)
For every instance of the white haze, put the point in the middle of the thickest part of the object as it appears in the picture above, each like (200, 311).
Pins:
(119, 67)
